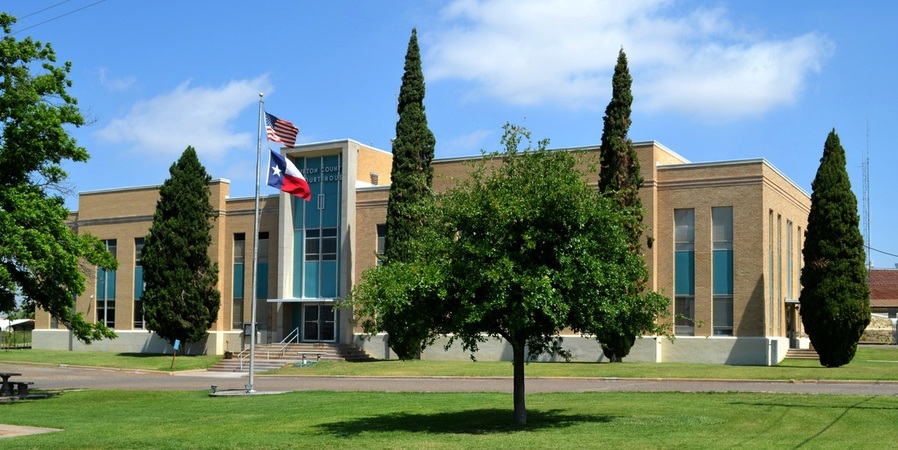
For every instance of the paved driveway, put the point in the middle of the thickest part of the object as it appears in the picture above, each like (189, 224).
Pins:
(68, 377)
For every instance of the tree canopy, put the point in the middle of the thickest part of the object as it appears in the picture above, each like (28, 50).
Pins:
(410, 194)
(835, 296)
(42, 260)
(521, 251)
(180, 300)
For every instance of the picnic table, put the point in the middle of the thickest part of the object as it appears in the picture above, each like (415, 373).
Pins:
(5, 388)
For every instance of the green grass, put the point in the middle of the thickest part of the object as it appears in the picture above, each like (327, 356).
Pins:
(139, 361)
(134, 419)
(870, 363)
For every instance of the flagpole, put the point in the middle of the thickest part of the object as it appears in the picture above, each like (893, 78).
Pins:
(252, 327)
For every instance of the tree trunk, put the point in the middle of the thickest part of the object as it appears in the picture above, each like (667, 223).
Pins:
(520, 409)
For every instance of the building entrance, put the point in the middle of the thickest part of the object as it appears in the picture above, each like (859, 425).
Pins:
(319, 323)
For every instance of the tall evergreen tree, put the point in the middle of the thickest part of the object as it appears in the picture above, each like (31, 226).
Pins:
(835, 296)
(619, 179)
(180, 300)
(39, 253)
(410, 193)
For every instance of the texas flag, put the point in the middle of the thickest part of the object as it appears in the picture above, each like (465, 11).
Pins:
(284, 175)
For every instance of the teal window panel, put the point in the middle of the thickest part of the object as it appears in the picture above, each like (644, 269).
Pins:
(723, 272)
(684, 282)
(329, 279)
(311, 279)
(239, 277)
(138, 282)
(110, 284)
(313, 176)
(101, 283)
(331, 181)
(298, 258)
(298, 211)
(262, 281)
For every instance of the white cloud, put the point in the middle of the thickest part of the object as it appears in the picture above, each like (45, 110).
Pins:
(115, 84)
(195, 116)
(563, 52)
(467, 143)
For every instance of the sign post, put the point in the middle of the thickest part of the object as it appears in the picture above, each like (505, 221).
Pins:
(177, 346)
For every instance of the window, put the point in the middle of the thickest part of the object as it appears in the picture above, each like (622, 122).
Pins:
(239, 266)
(770, 303)
(321, 244)
(381, 241)
(262, 267)
(106, 290)
(684, 272)
(789, 251)
(722, 236)
(138, 284)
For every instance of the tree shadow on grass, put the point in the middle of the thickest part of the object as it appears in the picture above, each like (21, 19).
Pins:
(477, 421)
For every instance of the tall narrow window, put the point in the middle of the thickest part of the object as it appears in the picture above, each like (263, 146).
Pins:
(106, 290)
(138, 284)
(789, 252)
(778, 302)
(262, 267)
(722, 224)
(684, 272)
(381, 241)
(769, 281)
(239, 281)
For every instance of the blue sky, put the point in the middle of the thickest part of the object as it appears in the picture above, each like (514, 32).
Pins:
(712, 80)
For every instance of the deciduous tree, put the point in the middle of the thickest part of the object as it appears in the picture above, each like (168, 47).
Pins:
(180, 300)
(835, 296)
(41, 258)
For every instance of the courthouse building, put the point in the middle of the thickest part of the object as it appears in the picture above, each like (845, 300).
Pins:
(723, 242)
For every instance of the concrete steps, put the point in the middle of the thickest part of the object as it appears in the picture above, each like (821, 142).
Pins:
(275, 356)
(801, 353)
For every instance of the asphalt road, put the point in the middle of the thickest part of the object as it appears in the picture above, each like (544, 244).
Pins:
(70, 377)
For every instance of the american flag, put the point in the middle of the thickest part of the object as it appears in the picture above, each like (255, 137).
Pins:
(280, 130)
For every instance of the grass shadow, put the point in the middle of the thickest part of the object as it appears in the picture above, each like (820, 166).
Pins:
(477, 421)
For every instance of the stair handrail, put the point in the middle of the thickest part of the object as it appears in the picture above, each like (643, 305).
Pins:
(285, 343)
(243, 356)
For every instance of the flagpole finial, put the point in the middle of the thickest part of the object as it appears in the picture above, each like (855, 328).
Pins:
(261, 95)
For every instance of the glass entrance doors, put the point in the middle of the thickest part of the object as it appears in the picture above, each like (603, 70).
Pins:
(319, 323)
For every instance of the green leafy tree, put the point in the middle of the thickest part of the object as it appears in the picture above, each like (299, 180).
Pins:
(536, 251)
(410, 194)
(180, 300)
(41, 258)
(521, 251)
(620, 180)
(835, 296)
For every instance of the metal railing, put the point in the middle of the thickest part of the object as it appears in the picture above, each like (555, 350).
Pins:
(284, 345)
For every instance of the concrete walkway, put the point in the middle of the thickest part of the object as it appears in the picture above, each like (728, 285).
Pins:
(70, 377)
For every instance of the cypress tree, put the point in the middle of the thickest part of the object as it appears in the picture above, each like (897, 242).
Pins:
(180, 300)
(410, 194)
(619, 178)
(835, 295)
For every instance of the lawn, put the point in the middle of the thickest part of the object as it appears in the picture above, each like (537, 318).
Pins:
(870, 363)
(875, 363)
(134, 419)
(139, 361)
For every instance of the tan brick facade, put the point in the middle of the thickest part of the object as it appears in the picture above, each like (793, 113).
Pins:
(769, 219)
